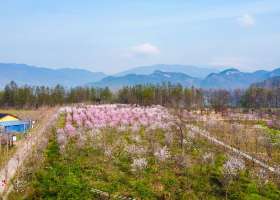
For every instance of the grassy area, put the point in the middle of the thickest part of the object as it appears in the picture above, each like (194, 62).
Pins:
(6, 154)
(274, 134)
(105, 161)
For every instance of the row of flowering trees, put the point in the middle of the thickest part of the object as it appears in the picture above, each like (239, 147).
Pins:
(96, 120)
(123, 118)
(115, 116)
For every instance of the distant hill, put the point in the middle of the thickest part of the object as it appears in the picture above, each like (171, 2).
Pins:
(32, 75)
(233, 78)
(227, 79)
(157, 77)
(271, 83)
(199, 72)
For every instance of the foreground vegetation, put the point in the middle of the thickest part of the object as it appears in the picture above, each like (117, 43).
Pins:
(146, 154)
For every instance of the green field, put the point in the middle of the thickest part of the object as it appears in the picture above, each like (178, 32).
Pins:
(107, 161)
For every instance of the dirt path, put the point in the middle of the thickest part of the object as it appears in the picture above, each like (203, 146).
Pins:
(210, 138)
(24, 148)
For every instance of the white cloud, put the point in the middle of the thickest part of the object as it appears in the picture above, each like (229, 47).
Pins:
(246, 20)
(145, 49)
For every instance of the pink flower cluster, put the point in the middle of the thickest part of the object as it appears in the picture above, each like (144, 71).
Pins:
(115, 116)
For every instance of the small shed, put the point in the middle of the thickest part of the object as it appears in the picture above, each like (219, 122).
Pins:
(13, 124)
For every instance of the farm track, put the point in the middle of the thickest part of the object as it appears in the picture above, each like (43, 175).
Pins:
(213, 140)
(24, 149)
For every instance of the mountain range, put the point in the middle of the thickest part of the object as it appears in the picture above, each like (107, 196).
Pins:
(233, 78)
(187, 76)
(227, 79)
(194, 71)
(157, 77)
(31, 75)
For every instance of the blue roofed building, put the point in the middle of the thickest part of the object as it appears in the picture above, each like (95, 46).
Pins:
(12, 124)
(15, 126)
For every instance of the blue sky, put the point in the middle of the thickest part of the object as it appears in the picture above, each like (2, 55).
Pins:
(114, 35)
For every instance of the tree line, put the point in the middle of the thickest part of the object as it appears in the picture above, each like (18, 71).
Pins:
(34, 97)
(165, 94)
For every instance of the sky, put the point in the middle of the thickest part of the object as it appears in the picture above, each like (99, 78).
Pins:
(115, 35)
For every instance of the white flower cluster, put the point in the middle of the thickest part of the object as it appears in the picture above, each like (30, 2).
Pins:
(195, 130)
(162, 154)
(108, 151)
(135, 150)
(139, 164)
(263, 175)
(234, 165)
(61, 138)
